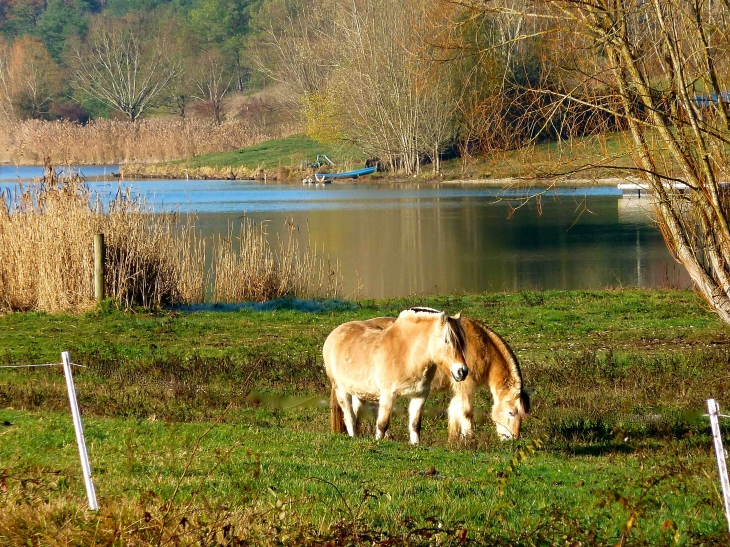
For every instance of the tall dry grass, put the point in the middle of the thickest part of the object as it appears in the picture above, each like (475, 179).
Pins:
(152, 259)
(115, 141)
(46, 251)
(246, 267)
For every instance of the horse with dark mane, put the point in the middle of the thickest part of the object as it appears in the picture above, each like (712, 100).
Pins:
(492, 362)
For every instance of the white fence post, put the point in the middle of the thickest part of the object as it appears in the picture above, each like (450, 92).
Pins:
(79, 427)
(714, 410)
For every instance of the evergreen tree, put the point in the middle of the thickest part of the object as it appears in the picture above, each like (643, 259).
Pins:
(61, 19)
(21, 16)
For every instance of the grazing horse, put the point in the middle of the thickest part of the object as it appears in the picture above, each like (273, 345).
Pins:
(373, 363)
(491, 361)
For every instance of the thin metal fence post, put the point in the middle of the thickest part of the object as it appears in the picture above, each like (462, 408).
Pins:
(714, 410)
(79, 427)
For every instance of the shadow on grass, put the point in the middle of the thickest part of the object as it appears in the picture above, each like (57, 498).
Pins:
(603, 449)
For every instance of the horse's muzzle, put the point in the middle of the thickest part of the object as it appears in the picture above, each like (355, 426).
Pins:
(459, 373)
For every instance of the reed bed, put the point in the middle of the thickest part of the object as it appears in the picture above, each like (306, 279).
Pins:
(46, 251)
(245, 267)
(115, 141)
(152, 259)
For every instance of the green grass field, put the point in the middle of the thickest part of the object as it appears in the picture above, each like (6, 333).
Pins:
(541, 160)
(286, 152)
(211, 427)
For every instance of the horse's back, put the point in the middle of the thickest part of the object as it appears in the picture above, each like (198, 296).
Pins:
(379, 323)
(358, 333)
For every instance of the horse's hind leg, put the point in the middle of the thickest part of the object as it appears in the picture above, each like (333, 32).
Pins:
(345, 400)
(356, 405)
(415, 414)
(384, 409)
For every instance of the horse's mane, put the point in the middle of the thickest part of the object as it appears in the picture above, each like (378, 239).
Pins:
(457, 335)
(514, 368)
(420, 309)
(509, 357)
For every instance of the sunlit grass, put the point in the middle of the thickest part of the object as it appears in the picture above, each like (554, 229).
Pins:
(227, 412)
(287, 152)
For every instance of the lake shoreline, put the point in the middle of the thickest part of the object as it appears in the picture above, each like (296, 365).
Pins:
(274, 177)
(289, 175)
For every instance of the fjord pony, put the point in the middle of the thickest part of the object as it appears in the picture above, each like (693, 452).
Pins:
(373, 363)
(491, 361)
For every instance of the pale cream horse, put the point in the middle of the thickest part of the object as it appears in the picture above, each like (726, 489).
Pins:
(374, 363)
(491, 361)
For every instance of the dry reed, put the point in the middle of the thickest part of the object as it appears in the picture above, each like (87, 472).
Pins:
(46, 251)
(152, 259)
(112, 141)
(251, 270)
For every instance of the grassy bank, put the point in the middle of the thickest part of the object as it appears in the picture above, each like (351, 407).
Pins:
(276, 160)
(280, 160)
(616, 446)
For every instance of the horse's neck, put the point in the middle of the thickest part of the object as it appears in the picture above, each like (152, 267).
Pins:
(503, 369)
(499, 376)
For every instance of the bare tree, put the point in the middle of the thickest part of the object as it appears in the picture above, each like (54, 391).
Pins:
(396, 101)
(6, 95)
(212, 82)
(29, 79)
(360, 71)
(663, 68)
(125, 65)
(295, 46)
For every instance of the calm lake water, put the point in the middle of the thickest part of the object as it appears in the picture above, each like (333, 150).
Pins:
(406, 239)
(14, 173)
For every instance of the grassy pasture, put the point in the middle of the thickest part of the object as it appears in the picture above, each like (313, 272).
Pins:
(210, 424)
(286, 152)
(279, 156)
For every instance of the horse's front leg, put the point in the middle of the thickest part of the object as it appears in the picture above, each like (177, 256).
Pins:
(415, 414)
(356, 406)
(461, 417)
(385, 407)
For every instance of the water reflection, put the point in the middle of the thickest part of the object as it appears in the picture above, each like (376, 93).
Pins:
(442, 245)
(405, 239)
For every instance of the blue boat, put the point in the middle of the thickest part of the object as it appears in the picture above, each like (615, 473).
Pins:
(324, 177)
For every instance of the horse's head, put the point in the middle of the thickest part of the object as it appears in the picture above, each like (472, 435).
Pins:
(508, 413)
(448, 346)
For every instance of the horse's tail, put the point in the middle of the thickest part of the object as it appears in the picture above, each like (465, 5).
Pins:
(337, 417)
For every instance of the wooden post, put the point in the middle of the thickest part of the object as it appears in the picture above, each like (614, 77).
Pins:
(99, 267)
(714, 409)
(79, 427)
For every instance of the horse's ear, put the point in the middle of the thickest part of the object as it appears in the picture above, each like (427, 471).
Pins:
(444, 317)
(525, 398)
(458, 316)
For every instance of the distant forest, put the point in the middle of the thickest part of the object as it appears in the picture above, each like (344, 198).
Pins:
(47, 49)
(410, 81)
